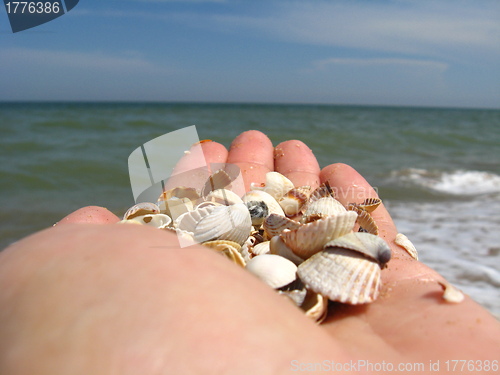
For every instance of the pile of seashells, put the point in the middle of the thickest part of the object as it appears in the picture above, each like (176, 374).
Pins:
(305, 244)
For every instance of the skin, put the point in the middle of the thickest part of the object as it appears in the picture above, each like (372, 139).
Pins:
(83, 297)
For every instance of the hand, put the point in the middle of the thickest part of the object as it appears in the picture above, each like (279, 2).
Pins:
(125, 299)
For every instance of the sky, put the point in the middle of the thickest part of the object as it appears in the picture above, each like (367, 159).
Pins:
(442, 53)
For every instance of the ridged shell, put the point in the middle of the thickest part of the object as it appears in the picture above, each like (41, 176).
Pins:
(259, 195)
(260, 249)
(218, 180)
(406, 244)
(225, 223)
(324, 206)
(275, 224)
(367, 244)
(140, 209)
(322, 191)
(276, 185)
(190, 219)
(310, 238)
(293, 201)
(153, 220)
(223, 196)
(370, 204)
(274, 270)
(278, 247)
(365, 220)
(342, 275)
(229, 249)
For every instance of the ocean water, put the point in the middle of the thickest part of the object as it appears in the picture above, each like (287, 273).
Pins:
(438, 170)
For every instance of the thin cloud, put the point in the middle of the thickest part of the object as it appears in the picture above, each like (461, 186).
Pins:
(409, 63)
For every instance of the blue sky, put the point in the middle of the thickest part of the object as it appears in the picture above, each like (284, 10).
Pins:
(401, 52)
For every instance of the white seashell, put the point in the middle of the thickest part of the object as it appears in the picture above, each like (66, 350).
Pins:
(225, 223)
(185, 238)
(311, 238)
(367, 244)
(451, 294)
(207, 204)
(190, 219)
(259, 195)
(406, 244)
(297, 296)
(276, 185)
(324, 206)
(261, 248)
(175, 207)
(315, 306)
(140, 209)
(154, 220)
(278, 247)
(275, 224)
(223, 196)
(293, 201)
(274, 270)
(342, 275)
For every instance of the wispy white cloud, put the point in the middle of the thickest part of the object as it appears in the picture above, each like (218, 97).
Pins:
(388, 62)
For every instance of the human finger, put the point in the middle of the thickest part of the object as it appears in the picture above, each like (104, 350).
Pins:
(297, 162)
(252, 152)
(90, 214)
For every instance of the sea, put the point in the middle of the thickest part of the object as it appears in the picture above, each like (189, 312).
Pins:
(436, 169)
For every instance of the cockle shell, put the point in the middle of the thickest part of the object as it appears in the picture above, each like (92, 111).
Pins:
(310, 238)
(324, 206)
(367, 244)
(225, 223)
(229, 249)
(406, 244)
(259, 195)
(188, 220)
(275, 224)
(274, 270)
(276, 185)
(293, 201)
(154, 220)
(260, 248)
(342, 275)
(140, 209)
(369, 204)
(365, 220)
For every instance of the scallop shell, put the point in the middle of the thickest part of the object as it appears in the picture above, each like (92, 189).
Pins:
(342, 275)
(322, 191)
(259, 195)
(324, 206)
(406, 244)
(225, 223)
(310, 238)
(370, 204)
(140, 209)
(367, 244)
(274, 270)
(275, 224)
(223, 196)
(276, 185)
(154, 220)
(278, 247)
(293, 201)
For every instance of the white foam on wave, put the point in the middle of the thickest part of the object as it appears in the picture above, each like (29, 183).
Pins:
(458, 182)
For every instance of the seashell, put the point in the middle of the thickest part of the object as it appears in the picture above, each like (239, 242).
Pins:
(315, 306)
(322, 191)
(260, 248)
(154, 220)
(223, 196)
(297, 296)
(275, 224)
(225, 223)
(311, 238)
(190, 219)
(274, 270)
(258, 211)
(208, 204)
(365, 220)
(229, 249)
(185, 238)
(278, 247)
(258, 195)
(370, 204)
(218, 180)
(324, 206)
(180, 192)
(293, 201)
(406, 244)
(367, 244)
(451, 294)
(174, 206)
(342, 275)
(276, 185)
(140, 209)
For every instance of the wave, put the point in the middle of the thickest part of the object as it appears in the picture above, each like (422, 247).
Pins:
(458, 182)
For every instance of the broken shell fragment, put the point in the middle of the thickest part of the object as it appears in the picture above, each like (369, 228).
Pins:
(367, 244)
(274, 270)
(342, 275)
(451, 294)
(293, 201)
(406, 244)
(140, 209)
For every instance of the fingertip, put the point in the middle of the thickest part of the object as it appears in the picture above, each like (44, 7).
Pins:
(90, 214)
(295, 160)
